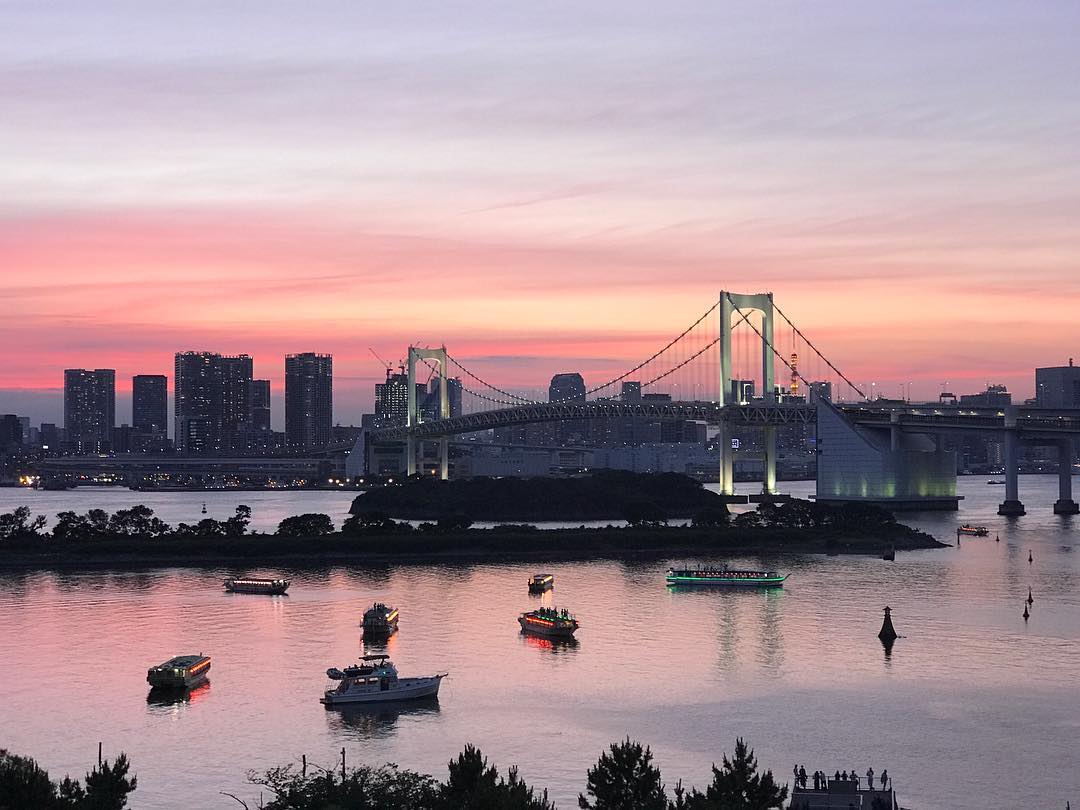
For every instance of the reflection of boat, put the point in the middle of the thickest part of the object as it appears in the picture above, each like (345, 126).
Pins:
(974, 531)
(375, 680)
(181, 672)
(377, 719)
(550, 622)
(172, 697)
(722, 576)
(274, 587)
(380, 620)
(552, 645)
(541, 582)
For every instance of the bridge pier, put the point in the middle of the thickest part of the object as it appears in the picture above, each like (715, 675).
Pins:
(768, 485)
(1011, 506)
(1065, 504)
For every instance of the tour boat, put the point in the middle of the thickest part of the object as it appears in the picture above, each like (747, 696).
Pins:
(722, 576)
(974, 531)
(550, 622)
(380, 620)
(541, 582)
(180, 672)
(375, 680)
(267, 586)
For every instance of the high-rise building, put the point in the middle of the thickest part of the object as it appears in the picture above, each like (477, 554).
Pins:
(392, 400)
(1058, 386)
(260, 415)
(309, 399)
(11, 433)
(89, 408)
(150, 403)
(236, 373)
(212, 403)
(568, 388)
(431, 403)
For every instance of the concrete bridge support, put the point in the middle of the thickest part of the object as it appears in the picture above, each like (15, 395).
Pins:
(1065, 504)
(1011, 505)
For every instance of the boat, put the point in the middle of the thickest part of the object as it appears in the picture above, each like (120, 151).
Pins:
(380, 620)
(995, 481)
(889, 554)
(267, 586)
(722, 576)
(974, 531)
(375, 680)
(180, 672)
(550, 622)
(541, 582)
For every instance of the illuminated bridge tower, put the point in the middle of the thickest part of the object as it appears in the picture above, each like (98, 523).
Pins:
(414, 416)
(738, 304)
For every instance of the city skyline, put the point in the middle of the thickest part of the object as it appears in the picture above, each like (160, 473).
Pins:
(564, 210)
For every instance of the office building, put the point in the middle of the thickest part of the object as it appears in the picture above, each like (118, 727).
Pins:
(431, 404)
(212, 403)
(260, 415)
(11, 433)
(392, 400)
(568, 387)
(150, 403)
(89, 408)
(1058, 386)
(309, 399)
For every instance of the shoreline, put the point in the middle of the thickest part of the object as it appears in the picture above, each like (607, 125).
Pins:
(467, 547)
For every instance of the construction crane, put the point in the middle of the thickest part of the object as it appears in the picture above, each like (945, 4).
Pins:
(387, 366)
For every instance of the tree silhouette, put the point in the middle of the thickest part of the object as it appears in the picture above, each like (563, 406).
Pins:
(312, 524)
(624, 778)
(473, 784)
(738, 786)
(107, 786)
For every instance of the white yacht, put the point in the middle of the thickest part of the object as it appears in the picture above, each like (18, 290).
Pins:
(375, 680)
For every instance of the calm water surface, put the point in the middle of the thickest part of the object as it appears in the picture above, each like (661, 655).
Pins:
(973, 709)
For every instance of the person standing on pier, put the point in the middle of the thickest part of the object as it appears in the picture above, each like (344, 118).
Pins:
(885, 779)
(870, 778)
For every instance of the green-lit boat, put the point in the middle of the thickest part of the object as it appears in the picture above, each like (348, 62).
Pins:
(723, 576)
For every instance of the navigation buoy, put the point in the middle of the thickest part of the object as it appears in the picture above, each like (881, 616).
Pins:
(204, 508)
(888, 632)
(1031, 599)
(1026, 614)
(1030, 558)
(997, 538)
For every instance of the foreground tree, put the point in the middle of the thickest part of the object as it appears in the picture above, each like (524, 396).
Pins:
(18, 525)
(624, 778)
(309, 525)
(362, 788)
(475, 784)
(24, 784)
(738, 786)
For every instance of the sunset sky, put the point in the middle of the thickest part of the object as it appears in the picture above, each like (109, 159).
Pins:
(542, 186)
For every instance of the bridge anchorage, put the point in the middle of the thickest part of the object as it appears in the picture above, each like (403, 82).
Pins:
(886, 452)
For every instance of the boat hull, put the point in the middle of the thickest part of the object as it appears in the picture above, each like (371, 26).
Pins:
(407, 689)
(277, 589)
(187, 682)
(546, 631)
(741, 582)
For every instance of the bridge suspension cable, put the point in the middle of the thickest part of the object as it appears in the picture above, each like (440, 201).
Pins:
(515, 399)
(817, 351)
(794, 370)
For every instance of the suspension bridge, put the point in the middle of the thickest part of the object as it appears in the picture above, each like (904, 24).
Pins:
(744, 362)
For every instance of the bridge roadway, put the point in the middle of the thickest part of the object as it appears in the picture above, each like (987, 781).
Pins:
(1030, 422)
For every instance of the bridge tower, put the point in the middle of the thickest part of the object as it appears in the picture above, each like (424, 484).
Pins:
(413, 411)
(732, 304)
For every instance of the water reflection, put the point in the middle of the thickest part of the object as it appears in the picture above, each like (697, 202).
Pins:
(378, 721)
(553, 645)
(160, 698)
